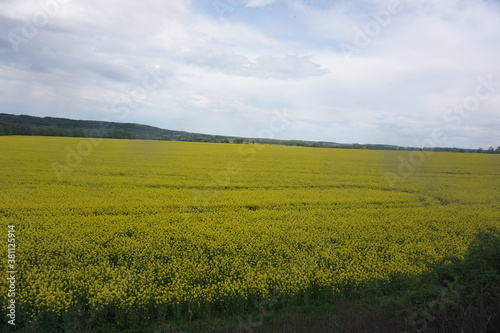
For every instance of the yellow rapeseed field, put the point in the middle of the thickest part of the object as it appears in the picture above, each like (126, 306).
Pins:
(114, 225)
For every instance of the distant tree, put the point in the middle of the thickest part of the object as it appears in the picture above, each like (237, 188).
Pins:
(238, 140)
(5, 128)
(76, 132)
(480, 150)
(23, 130)
(497, 150)
(491, 150)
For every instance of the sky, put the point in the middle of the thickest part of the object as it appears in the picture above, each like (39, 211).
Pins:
(414, 73)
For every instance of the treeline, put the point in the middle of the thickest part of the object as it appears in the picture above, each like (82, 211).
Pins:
(49, 126)
(26, 129)
(320, 144)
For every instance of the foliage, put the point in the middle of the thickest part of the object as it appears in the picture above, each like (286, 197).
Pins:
(139, 232)
(456, 295)
(50, 126)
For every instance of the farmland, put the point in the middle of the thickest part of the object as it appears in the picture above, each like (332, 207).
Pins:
(145, 230)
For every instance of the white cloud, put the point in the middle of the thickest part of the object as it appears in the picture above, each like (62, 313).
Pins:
(259, 3)
(228, 75)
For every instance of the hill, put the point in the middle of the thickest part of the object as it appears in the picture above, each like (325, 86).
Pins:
(50, 126)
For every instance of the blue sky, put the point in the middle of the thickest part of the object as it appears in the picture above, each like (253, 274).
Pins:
(416, 73)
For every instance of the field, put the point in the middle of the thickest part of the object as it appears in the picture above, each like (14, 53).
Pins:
(137, 231)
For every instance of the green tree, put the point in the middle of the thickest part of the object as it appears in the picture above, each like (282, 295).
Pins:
(5, 128)
(76, 132)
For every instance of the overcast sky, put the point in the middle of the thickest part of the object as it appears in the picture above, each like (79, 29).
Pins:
(415, 72)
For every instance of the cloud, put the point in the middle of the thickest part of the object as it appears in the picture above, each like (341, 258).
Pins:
(288, 67)
(229, 73)
(259, 3)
